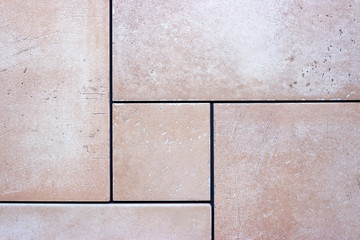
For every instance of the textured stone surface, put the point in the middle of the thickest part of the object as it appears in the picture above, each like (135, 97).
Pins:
(287, 171)
(105, 222)
(54, 122)
(211, 49)
(161, 151)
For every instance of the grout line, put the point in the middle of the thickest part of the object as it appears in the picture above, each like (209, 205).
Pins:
(162, 202)
(240, 101)
(105, 203)
(212, 186)
(54, 202)
(211, 102)
(111, 101)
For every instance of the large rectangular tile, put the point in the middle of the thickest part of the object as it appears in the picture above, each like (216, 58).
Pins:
(287, 171)
(105, 222)
(211, 49)
(161, 151)
(54, 104)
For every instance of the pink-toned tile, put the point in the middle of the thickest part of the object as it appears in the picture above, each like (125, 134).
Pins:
(161, 151)
(287, 171)
(211, 49)
(54, 111)
(105, 222)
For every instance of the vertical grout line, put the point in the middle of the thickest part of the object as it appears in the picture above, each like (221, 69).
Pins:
(212, 187)
(111, 101)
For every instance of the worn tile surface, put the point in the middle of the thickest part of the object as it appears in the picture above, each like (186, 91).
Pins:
(161, 151)
(211, 49)
(105, 222)
(287, 171)
(54, 121)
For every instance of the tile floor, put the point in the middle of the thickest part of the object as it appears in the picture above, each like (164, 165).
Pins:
(161, 151)
(54, 95)
(206, 119)
(287, 171)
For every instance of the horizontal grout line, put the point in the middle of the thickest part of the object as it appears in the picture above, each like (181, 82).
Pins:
(53, 202)
(165, 101)
(105, 203)
(161, 202)
(243, 101)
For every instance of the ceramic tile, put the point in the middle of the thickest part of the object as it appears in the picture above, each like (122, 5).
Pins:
(233, 50)
(105, 221)
(287, 171)
(54, 104)
(161, 151)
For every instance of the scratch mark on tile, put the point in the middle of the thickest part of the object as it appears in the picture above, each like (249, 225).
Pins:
(6, 132)
(271, 155)
(24, 50)
(268, 122)
(10, 192)
(21, 168)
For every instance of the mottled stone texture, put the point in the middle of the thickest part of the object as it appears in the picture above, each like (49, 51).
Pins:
(125, 222)
(287, 171)
(215, 49)
(54, 111)
(161, 151)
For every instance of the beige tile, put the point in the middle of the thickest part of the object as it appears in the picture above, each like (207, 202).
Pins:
(54, 107)
(105, 222)
(211, 49)
(161, 151)
(287, 171)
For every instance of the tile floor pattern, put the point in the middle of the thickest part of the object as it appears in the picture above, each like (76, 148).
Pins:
(287, 171)
(64, 221)
(281, 170)
(161, 151)
(234, 50)
(54, 94)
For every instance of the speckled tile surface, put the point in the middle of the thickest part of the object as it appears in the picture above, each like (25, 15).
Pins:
(287, 171)
(118, 133)
(234, 50)
(54, 104)
(161, 152)
(125, 222)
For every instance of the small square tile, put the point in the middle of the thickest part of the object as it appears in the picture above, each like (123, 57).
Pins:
(236, 50)
(54, 100)
(287, 171)
(161, 151)
(98, 221)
